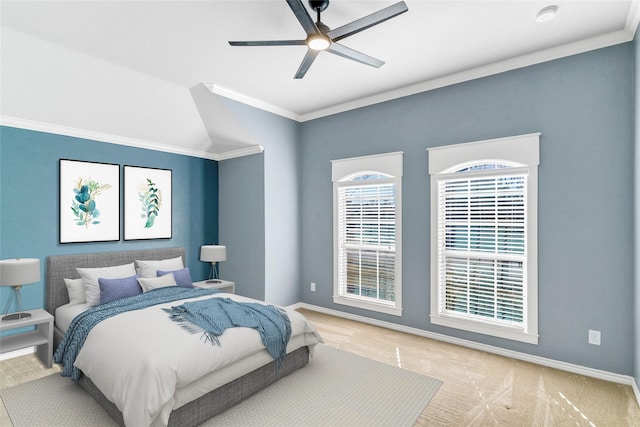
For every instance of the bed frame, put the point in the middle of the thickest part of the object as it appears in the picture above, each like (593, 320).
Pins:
(193, 413)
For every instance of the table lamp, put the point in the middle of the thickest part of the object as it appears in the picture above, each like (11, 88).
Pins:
(213, 254)
(15, 273)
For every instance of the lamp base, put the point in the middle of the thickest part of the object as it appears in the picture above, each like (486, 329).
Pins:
(15, 316)
(18, 315)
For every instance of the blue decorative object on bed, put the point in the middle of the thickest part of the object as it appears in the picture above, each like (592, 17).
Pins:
(113, 289)
(82, 324)
(182, 277)
(214, 316)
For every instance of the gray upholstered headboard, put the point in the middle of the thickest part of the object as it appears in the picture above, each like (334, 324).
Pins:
(60, 267)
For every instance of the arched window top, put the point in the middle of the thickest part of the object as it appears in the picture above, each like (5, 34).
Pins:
(366, 176)
(387, 165)
(515, 151)
(483, 165)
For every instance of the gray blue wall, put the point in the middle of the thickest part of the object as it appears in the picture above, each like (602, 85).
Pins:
(636, 210)
(29, 200)
(583, 105)
(260, 209)
(242, 225)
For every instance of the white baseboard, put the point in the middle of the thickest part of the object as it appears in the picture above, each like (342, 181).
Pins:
(543, 361)
(17, 353)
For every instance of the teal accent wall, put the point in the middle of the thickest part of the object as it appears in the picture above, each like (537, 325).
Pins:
(29, 200)
(583, 105)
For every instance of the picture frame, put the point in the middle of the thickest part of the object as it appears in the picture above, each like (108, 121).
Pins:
(147, 203)
(89, 201)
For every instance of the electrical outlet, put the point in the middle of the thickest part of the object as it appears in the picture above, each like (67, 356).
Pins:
(594, 337)
(313, 287)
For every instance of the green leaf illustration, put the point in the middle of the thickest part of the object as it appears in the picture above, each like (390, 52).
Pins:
(151, 199)
(84, 204)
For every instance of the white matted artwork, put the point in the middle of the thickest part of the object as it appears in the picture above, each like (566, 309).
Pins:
(147, 203)
(89, 201)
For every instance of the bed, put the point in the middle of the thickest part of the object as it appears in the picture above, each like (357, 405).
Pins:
(199, 399)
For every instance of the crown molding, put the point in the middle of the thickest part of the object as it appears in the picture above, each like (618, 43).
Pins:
(253, 102)
(34, 125)
(569, 49)
(551, 54)
(582, 46)
(633, 18)
(241, 152)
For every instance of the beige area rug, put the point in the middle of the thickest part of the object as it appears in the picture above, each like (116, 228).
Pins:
(336, 388)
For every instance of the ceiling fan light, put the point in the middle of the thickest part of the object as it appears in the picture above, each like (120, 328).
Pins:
(547, 14)
(318, 42)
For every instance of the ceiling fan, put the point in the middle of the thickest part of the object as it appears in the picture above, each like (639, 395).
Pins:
(320, 37)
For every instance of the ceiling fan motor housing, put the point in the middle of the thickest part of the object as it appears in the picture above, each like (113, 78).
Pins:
(319, 5)
(324, 29)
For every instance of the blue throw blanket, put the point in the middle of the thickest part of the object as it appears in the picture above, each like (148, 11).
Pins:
(82, 324)
(213, 316)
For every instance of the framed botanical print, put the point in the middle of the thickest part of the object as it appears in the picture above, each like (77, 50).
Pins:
(147, 203)
(89, 195)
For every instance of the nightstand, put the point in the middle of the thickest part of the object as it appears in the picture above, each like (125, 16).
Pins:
(42, 337)
(221, 285)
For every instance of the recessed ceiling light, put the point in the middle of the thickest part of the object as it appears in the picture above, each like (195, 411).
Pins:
(547, 14)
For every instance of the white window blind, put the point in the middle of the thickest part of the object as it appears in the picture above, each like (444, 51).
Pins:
(484, 237)
(367, 232)
(366, 252)
(482, 251)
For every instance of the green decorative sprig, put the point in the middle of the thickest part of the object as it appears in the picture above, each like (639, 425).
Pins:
(151, 200)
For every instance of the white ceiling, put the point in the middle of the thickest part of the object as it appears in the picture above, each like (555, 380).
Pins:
(434, 44)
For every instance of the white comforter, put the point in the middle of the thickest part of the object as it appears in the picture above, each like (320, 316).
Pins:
(140, 359)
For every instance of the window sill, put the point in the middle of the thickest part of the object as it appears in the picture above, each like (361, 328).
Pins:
(486, 329)
(380, 308)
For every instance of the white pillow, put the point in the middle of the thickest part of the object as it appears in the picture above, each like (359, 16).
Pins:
(75, 288)
(151, 283)
(90, 278)
(149, 268)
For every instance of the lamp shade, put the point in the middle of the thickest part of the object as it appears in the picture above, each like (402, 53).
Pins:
(19, 271)
(213, 253)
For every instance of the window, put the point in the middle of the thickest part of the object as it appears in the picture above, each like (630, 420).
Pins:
(484, 237)
(367, 232)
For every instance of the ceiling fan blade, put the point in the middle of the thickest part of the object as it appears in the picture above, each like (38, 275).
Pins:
(268, 43)
(306, 63)
(303, 17)
(347, 52)
(368, 21)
